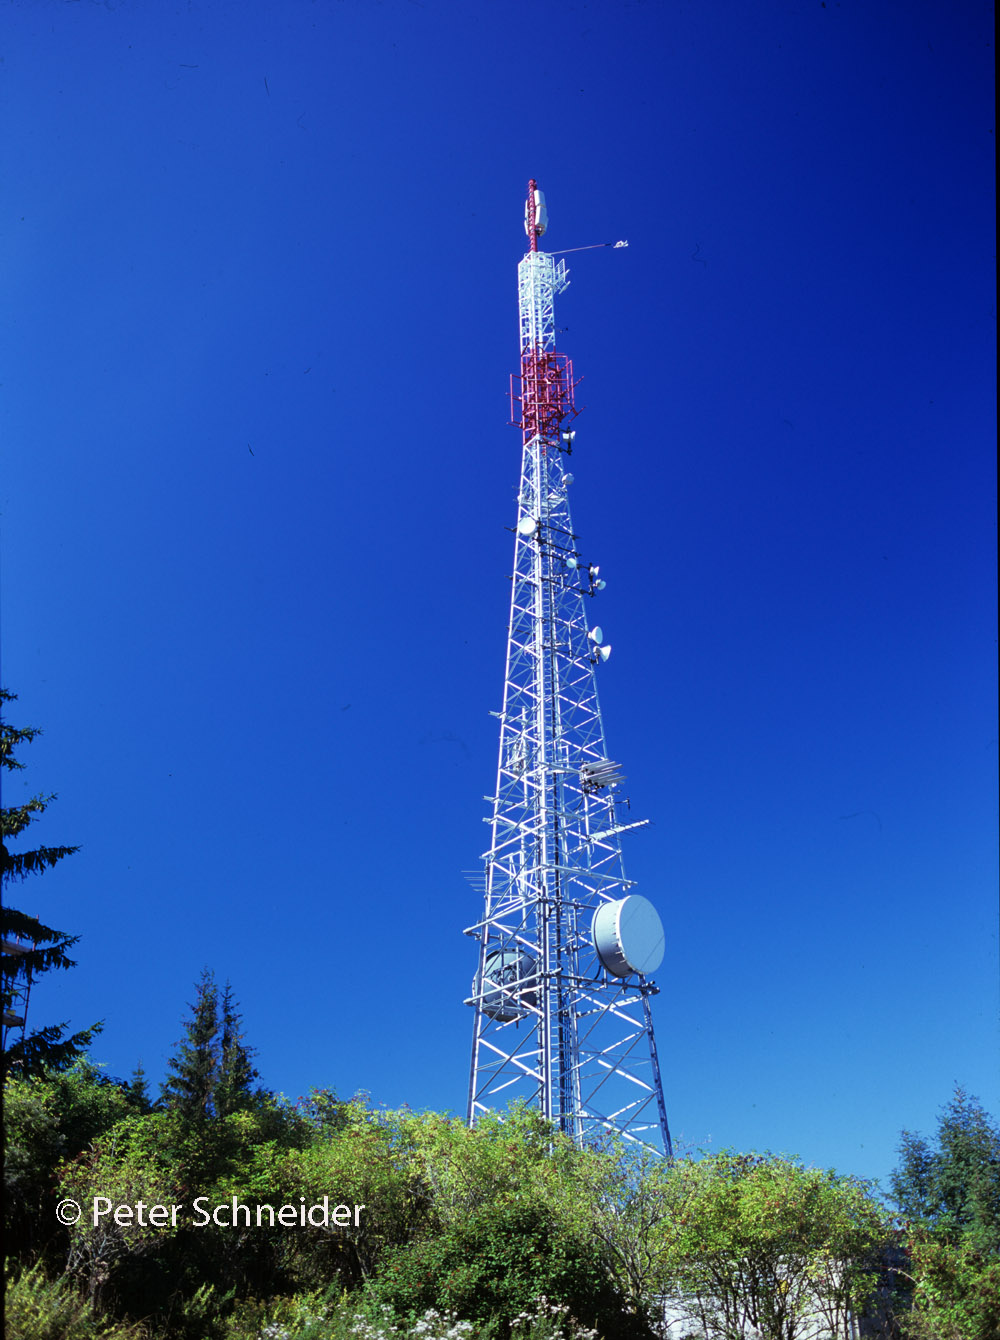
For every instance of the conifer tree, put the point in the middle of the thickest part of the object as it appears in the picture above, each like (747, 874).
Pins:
(190, 1087)
(949, 1191)
(138, 1089)
(236, 1070)
(953, 1185)
(212, 1071)
(30, 948)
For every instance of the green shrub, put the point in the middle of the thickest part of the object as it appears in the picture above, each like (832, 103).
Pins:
(42, 1309)
(493, 1268)
(46, 1121)
(956, 1291)
(319, 1315)
(324, 1316)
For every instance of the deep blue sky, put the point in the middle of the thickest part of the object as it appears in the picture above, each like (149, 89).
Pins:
(260, 261)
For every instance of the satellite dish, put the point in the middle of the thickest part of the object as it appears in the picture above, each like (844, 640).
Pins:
(567, 479)
(628, 936)
(509, 985)
(572, 564)
(600, 584)
(527, 526)
(603, 652)
(596, 634)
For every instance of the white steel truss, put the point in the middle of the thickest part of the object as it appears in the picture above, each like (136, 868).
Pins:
(539, 279)
(552, 1026)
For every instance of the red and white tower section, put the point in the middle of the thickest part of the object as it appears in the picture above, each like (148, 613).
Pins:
(566, 948)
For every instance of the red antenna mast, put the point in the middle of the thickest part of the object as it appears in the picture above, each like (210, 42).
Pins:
(546, 385)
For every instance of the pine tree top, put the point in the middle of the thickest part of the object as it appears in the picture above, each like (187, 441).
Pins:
(30, 947)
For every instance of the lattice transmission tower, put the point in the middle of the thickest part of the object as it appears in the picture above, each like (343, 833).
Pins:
(562, 991)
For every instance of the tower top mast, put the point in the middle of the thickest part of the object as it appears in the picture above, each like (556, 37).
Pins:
(536, 216)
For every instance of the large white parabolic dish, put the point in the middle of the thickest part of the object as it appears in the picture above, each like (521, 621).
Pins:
(628, 936)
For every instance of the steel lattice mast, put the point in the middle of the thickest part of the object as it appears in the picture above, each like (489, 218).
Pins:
(553, 1025)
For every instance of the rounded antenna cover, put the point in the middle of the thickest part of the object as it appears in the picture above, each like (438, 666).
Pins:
(628, 936)
(509, 985)
(536, 216)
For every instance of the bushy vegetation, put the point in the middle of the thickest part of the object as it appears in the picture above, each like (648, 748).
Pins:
(38, 1308)
(458, 1226)
(949, 1193)
(505, 1232)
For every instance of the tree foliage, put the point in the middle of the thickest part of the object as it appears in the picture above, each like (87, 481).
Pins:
(48, 1120)
(39, 1308)
(479, 1223)
(496, 1225)
(212, 1072)
(952, 1186)
(493, 1267)
(948, 1190)
(30, 948)
(759, 1243)
(956, 1291)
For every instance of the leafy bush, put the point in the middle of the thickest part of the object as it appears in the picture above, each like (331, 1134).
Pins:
(956, 1292)
(45, 1121)
(494, 1266)
(949, 1192)
(42, 1309)
(481, 1225)
(762, 1238)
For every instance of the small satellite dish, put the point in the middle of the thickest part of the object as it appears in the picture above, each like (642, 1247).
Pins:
(527, 526)
(509, 985)
(567, 479)
(600, 584)
(572, 564)
(628, 936)
(603, 652)
(596, 634)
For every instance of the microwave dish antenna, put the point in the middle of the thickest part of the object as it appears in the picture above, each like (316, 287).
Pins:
(628, 936)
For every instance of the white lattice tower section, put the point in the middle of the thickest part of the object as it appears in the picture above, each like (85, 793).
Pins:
(552, 1026)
